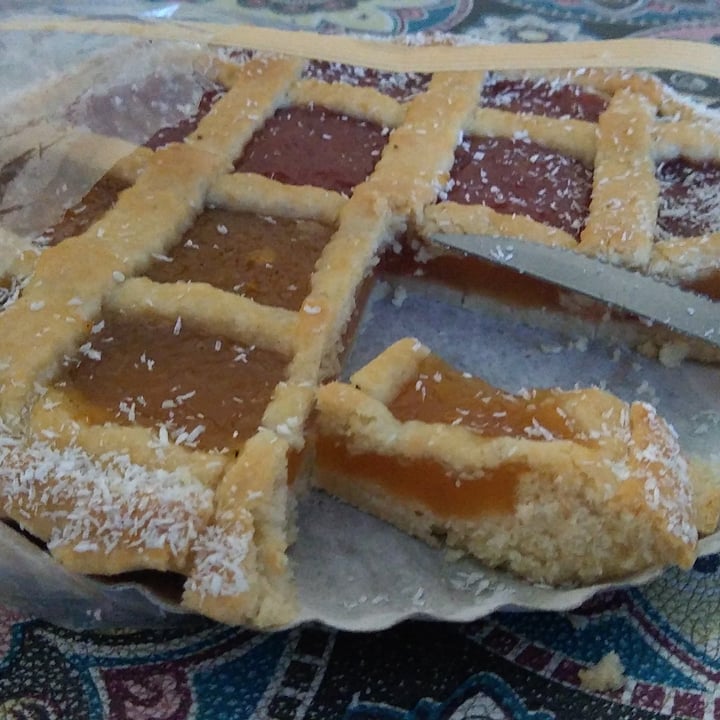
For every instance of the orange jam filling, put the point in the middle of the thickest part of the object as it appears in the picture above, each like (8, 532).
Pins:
(208, 391)
(707, 284)
(77, 219)
(441, 394)
(425, 481)
(267, 259)
(469, 274)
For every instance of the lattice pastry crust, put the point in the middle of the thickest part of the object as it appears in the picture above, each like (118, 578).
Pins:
(642, 125)
(110, 492)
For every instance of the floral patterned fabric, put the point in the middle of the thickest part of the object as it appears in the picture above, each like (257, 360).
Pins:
(519, 666)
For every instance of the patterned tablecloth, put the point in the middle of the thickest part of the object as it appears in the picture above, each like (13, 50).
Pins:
(512, 665)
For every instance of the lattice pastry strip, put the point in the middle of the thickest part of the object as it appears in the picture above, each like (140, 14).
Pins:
(240, 564)
(576, 138)
(624, 204)
(364, 102)
(250, 192)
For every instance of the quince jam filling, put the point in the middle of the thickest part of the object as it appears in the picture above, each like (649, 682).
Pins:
(401, 86)
(314, 146)
(539, 97)
(203, 390)
(441, 394)
(96, 202)
(519, 176)
(690, 207)
(267, 259)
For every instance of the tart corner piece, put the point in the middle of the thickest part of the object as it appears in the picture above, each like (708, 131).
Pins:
(240, 569)
(560, 487)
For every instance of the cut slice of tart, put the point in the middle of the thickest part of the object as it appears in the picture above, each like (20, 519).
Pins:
(556, 486)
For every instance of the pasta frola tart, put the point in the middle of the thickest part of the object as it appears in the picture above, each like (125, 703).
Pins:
(183, 314)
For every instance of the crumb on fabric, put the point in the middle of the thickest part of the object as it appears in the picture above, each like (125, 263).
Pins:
(604, 675)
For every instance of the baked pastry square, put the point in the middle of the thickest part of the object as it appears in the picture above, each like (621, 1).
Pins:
(157, 423)
(184, 312)
(560, 487)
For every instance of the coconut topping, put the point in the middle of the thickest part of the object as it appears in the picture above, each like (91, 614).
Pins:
(519, 176)
(104, 503)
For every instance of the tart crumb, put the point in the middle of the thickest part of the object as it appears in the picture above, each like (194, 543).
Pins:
(607, 674)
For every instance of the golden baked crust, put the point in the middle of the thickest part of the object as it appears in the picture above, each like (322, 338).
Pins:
(611, 497)
(114, 495)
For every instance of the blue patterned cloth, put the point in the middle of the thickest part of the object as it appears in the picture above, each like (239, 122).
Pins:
(519, 666)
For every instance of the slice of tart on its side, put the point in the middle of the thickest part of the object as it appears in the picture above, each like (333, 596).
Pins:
(560, 487)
